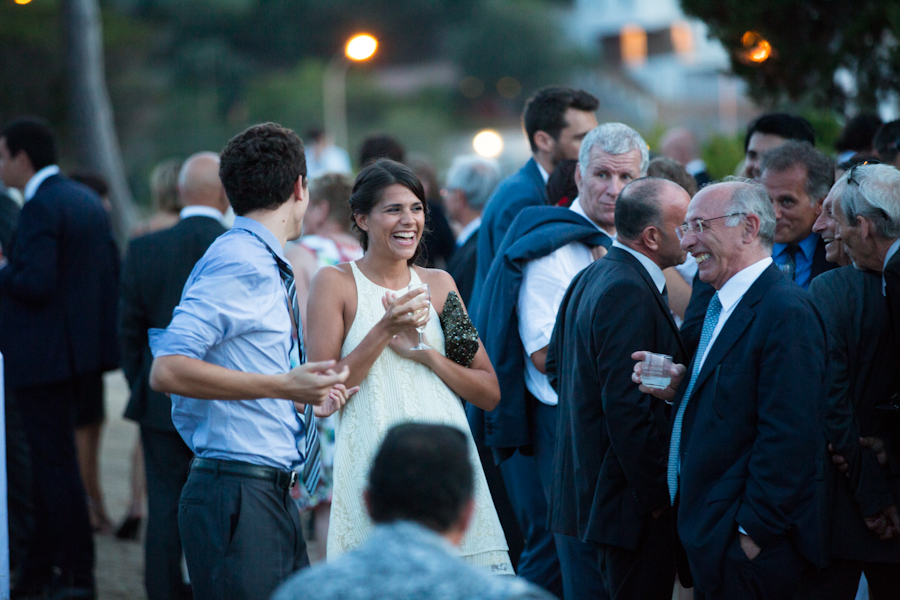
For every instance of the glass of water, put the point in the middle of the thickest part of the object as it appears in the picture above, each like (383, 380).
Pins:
(422, 288)
(656, 371)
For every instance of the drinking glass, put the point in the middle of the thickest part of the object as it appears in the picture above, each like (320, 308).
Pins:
(656, 371)
(421, 288)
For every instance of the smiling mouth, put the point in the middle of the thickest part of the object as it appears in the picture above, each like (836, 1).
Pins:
(702, 257)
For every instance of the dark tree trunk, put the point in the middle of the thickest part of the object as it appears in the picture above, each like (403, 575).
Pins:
(90, 110)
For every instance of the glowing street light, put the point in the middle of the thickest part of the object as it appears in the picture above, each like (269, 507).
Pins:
(334, 84)
(22, 2)
(361, 47)
(757, 49)
(488, 143)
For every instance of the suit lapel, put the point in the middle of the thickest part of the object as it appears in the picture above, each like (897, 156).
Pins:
(737, 323)
(625, 257)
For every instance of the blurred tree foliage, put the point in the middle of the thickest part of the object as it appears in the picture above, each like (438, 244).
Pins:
(185, 76)
(811, 42)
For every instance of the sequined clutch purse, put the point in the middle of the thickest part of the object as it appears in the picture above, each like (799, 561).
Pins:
(460, 335)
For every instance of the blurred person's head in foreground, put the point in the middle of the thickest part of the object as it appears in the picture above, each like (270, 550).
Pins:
(422, 473)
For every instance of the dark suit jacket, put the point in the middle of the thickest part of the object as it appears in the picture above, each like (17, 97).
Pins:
(752, 451)
(702, 293)
(612, 440)
(892, 281)
(156, 268)
(58, 317)
(520, 190)
(462, 265)
(535, 233)
(863, 367)
(9, 218)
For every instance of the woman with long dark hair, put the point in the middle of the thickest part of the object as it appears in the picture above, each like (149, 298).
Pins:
(365, 314)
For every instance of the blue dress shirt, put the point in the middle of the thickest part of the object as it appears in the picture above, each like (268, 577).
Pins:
(234, 313)
(802, 261)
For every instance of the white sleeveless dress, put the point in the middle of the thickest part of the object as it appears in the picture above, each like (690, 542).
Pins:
(399, 390)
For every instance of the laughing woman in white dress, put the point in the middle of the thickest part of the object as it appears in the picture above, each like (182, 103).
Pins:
(360, 314)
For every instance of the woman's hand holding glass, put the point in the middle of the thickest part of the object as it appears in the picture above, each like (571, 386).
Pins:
(406, 313)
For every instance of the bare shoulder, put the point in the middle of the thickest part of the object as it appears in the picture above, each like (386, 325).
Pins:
(441, 284)
(333, 280)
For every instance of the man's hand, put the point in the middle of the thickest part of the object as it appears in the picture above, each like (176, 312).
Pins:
(312, 383)
(839, 461)
(748, 546)
(667, 394)
(877, 446)
(885, 523)
(598, 252)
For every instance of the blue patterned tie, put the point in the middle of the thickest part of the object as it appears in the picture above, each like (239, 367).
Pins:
(709, 325)
(312, 465)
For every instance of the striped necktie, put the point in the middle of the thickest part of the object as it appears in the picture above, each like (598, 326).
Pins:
(709, 325)
(309, 447)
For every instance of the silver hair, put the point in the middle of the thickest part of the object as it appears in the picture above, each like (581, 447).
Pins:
(876, 197)
(751, 198)
(475, 176)
(613, 138)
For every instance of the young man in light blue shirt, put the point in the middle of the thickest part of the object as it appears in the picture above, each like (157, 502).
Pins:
(231, 360)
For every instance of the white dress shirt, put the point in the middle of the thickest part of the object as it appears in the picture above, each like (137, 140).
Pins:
(37, 179)
(730, 295)
(198, 210)
(467, 231)
(544, 283)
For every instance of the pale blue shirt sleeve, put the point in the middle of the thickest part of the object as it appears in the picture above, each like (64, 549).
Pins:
(213, 309)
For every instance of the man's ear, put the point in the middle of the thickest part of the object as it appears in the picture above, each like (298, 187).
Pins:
(652, 237)
(865, 227)
(301, 191)
(751, 226)
(578, 179)
(544, 142)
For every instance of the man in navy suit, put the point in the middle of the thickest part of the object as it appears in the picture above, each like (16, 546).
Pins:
(555, 120)
(609, 481)
(746, 450)
(58, 336)
(155, 271)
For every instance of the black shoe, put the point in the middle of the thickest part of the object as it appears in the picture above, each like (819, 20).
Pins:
(129, 529)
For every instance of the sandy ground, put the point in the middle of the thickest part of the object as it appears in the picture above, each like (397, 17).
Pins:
(120, 564)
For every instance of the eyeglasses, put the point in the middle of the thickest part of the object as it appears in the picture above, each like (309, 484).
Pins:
(859, 164)
(699, 225)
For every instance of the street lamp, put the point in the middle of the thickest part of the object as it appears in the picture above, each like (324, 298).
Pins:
(334, 85)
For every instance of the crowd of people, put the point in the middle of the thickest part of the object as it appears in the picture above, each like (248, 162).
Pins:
(453, 381)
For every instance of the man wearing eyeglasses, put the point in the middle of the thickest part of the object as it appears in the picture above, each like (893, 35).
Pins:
(746, 439)
(798, 178)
